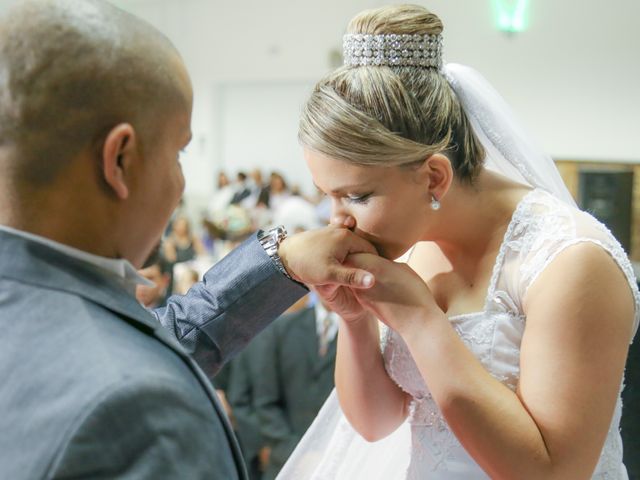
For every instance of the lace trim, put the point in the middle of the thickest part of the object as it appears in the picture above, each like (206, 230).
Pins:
(497, 266)
(533, 242)
(514, 223)
(402, 368)
(479, 338)
(621, 258)
(433, 441)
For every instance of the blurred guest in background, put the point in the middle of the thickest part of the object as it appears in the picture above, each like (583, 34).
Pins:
(154, 294)
(261, 191)
(295, 366)
(242, 190)
(222, 195)
(240, 389)
(238, 384)
(184, 277)
(278, 190)
(296, 213)
(181, 245)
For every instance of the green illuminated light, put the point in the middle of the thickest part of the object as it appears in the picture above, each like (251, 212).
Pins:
(511, 14)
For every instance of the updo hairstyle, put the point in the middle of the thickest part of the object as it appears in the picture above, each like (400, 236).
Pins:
(390, 116)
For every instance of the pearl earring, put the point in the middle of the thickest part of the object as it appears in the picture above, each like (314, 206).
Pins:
(435, 203)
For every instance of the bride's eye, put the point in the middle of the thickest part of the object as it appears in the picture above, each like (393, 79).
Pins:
(361, 199)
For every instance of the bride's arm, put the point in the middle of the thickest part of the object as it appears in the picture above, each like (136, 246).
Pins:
(374, 405)
(579, 316)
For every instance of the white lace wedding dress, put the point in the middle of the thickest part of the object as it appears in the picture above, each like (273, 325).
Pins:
(424, 447)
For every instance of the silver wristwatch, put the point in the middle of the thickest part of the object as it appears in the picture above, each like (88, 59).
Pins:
(270, 241)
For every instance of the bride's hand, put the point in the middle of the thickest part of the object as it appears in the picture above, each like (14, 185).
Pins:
(399, 298)
(341, 300)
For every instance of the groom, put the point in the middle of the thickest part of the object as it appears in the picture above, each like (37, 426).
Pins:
(95, 107)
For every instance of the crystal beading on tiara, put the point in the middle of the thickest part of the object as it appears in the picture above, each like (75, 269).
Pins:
(393, 50)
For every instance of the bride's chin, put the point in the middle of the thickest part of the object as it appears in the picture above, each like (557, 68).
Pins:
(392, 252)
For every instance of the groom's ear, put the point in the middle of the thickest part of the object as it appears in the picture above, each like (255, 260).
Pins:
(436, 173)
(119, 155)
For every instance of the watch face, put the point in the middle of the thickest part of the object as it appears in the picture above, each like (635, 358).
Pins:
(271, 239)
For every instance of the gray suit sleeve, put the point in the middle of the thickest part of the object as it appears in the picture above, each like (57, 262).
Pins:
(238, 298)
(146, 429)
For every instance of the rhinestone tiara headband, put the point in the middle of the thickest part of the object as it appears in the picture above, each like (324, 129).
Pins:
(393, 50)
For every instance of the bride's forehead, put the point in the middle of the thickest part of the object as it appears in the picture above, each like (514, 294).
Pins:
(333, 174)
(369, 179)
(320, 164)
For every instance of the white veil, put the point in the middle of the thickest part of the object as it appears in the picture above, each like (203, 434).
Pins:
(331, 449)
(510, 150)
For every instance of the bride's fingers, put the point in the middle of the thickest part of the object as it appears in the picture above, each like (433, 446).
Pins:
(365, 261)
(326, 291)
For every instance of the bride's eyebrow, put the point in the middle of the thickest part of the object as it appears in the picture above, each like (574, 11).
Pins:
(343, 189)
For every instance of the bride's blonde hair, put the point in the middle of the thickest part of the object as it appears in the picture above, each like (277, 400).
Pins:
(390, 116)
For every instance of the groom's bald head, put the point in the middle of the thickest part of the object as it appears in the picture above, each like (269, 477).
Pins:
(70, 70)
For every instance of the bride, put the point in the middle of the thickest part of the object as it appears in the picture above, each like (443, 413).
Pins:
(504, 337)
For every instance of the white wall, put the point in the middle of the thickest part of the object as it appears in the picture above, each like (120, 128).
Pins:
(266, 137)
(573, 76)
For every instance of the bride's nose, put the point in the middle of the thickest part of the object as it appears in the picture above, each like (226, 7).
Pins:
(346, 221)
(340, 216)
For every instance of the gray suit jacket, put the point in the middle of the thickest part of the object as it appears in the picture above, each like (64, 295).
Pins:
(92, 386)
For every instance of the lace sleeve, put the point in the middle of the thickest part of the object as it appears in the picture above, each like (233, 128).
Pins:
(604, 240)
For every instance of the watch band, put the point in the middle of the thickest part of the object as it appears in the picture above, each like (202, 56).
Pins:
(270, 241)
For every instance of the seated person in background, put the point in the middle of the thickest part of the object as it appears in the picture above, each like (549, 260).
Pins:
(278, 190)
(155, 293)
(181, 245)
(242, 191)
(221, 196)
(260, 190)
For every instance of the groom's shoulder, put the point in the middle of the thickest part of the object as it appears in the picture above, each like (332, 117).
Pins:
(74, 366)
(64, 346)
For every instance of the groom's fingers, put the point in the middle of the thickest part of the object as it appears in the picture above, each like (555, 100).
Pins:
(348, 243)
(316, 257)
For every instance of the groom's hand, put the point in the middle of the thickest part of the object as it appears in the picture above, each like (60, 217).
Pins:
(316, 257)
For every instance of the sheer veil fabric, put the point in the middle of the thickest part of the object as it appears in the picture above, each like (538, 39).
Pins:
(331, 449)
(510, 150)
